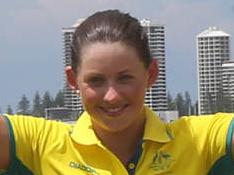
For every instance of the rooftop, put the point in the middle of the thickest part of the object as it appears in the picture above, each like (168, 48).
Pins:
(212, 32)
(229, 63)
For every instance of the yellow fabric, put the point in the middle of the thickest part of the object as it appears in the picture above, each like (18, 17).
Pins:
(189, 146)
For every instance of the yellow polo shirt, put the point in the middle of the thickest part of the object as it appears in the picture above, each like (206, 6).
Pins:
(189, 146)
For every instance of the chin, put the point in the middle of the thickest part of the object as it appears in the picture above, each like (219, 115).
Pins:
(118, 126)
(116, 129)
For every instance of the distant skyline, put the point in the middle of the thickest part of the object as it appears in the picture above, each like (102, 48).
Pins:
(31, 45)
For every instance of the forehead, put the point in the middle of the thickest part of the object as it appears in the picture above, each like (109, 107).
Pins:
(109, 59)
(109, 54)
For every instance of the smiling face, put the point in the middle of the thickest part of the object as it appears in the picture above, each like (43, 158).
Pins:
(112, 82)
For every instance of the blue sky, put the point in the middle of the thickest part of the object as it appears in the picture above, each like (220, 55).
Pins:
(31, 39)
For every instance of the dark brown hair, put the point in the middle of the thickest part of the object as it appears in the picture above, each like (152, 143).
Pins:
(110, 26)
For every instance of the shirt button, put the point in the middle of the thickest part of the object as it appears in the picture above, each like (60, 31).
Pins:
(131, 166)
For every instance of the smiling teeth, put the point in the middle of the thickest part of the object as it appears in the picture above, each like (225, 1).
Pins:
(114, 109)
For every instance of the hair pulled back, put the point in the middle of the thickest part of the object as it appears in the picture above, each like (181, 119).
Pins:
(110, 26)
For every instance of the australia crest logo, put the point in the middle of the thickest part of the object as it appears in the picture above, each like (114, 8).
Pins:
(162, 161)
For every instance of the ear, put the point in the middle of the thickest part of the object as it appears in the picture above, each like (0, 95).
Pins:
(152, 72)
(71, 78)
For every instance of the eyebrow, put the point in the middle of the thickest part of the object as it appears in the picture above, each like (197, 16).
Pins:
(124, 71)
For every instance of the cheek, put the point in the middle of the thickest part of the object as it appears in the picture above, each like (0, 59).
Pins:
(89, 95)
(137, 91)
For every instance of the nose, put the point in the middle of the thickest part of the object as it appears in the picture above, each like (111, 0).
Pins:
(112, 95)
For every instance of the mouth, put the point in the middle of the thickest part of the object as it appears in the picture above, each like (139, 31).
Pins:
(114, 110)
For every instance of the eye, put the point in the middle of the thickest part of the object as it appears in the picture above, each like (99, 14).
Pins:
(125, 78)
(96, 81)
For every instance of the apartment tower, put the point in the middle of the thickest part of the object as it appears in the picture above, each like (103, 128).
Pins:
(212, 51)
(71, 100)
(156, 96)
(228, 84)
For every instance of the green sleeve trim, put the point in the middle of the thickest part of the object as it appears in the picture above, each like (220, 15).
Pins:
(229, 141)
(16, 166)
(225, 165)
(12, 145)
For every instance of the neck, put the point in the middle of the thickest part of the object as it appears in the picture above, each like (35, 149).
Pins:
(122, 143)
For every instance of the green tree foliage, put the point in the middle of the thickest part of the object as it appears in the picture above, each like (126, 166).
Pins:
(37, 109)
(181, 103)
(218, 102)
(59, 99)
(170, 102)
(187, 103)
(38, 104)
(194, 108)
(9, 110)
(23, 106)
(47, 101)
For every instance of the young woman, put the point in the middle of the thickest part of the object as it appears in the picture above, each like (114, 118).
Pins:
(117, 134)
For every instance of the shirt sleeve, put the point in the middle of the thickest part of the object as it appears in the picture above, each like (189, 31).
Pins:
(213, 135)
(27, 140)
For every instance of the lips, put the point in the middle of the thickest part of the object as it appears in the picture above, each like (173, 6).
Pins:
(113, 111)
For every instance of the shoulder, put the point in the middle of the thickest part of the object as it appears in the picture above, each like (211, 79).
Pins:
(203, 124)
(203, 120)
(29, 125)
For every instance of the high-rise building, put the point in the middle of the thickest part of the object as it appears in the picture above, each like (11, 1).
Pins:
(228, 83)
(212, 51)
(71, 100)
(156, 96)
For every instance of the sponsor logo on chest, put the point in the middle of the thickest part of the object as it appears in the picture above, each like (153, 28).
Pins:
(85, 168)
